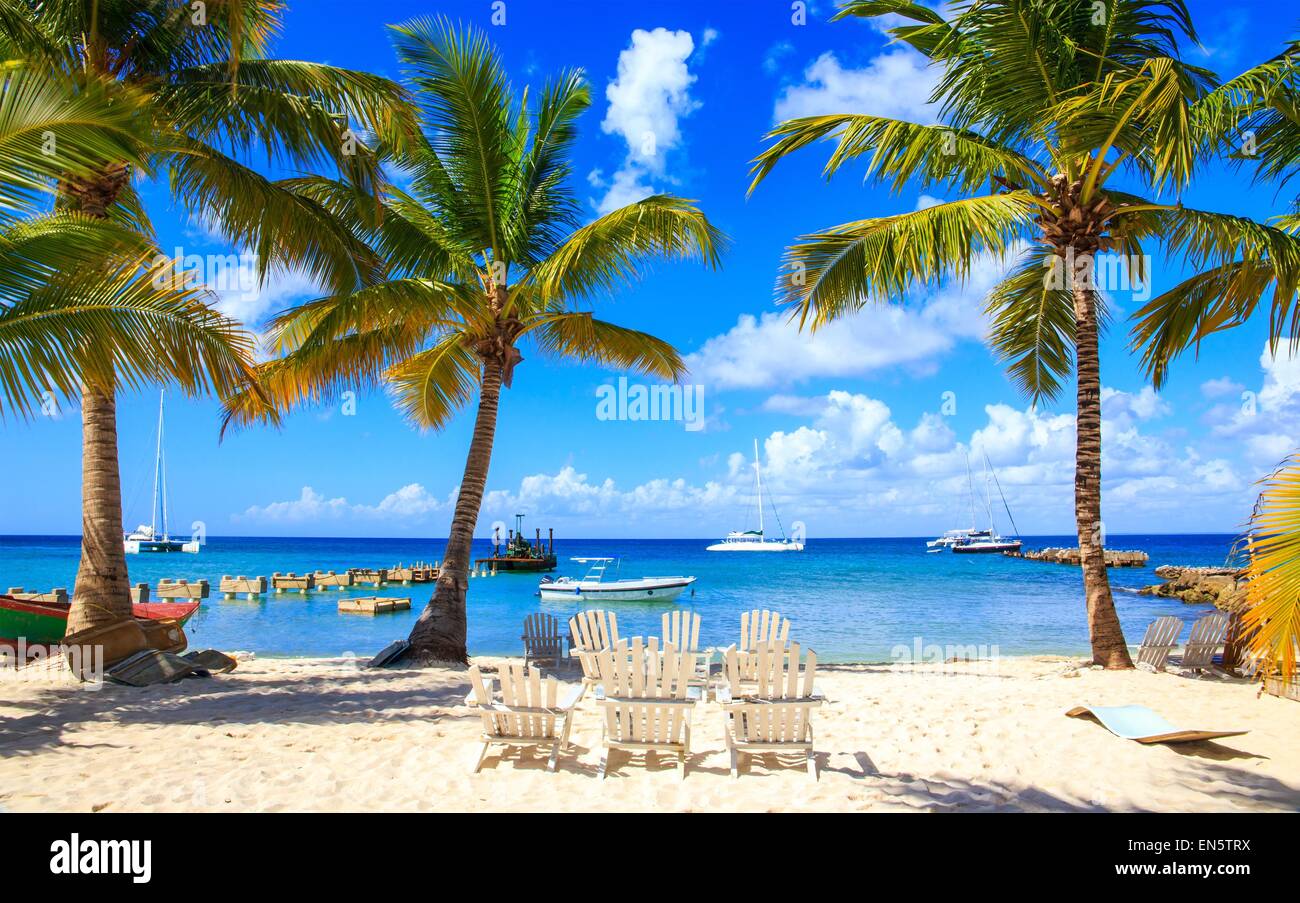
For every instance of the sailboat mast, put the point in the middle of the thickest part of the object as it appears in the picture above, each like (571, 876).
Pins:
(758, 479)
(970, 483)
(157, 469)
(988, 495)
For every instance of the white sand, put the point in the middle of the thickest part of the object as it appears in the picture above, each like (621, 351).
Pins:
(304, 734)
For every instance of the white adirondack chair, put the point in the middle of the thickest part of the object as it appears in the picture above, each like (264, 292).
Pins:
(542, 640)
(530, 711)
(1160, 639)
(1207, 635)
(647, 700)
(777, 717)
(590, 632)
(759, 630)
(681, 629)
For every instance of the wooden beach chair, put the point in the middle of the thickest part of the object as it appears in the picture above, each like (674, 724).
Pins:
(591, 631)
(646, 698)
(542, 640)
(1207, 635)
(759, 630)
(777, 716)
(681, 629)
(530, 711)
(1161, 637)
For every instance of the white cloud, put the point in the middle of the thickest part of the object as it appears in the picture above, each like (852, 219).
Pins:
(410, 503)
(647, 99)
(770, 349)
(1218, 388)
(241, 297)
(895, 84)
(1266, 422)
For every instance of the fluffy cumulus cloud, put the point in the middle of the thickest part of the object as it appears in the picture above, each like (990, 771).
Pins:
(647, 101)
(770, 349)
(1263, 422)
(896, 84)
(411, 504)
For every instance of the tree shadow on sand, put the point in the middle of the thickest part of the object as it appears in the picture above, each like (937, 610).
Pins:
(363, 696)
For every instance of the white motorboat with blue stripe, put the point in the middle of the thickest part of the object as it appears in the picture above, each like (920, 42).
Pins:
(594, 586)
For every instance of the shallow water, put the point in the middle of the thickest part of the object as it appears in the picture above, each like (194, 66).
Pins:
(850, 599)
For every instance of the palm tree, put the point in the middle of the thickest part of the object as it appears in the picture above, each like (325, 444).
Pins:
(195, 78)
(483, 253)
(1043, 103)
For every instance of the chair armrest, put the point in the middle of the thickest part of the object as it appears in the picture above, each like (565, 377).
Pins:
(571, 697)
(469, 697)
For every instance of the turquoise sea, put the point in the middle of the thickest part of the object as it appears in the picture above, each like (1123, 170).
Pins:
(850, 599)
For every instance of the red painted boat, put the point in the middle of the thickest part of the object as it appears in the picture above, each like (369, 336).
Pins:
(44, 623)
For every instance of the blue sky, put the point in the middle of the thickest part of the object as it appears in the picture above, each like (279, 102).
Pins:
(856, 437)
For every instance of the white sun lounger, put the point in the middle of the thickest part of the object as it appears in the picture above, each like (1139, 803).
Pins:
(1137, 722)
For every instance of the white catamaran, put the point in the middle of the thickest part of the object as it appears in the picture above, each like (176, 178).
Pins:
(756, 540)
(146, 538)
(595, 588)
(971, 540)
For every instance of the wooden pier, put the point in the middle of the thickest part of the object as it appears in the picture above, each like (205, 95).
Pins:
(368, 576)
(331, 580)
(251, 587)
(172, 590)
(58, 595)
(415, 573)
(300, 583)
(373, 605)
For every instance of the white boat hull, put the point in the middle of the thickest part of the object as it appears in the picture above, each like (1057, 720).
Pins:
(138, 546)
(755, 546)
(648, 589)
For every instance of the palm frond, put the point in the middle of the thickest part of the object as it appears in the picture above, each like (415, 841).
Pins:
(119, 328)
(615, 248)
(430, 387)
(829, 274)
(580, 336)
(900, 151)
(1033, 327)
(1272, 620)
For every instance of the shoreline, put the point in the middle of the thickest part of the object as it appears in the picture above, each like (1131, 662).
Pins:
(317, 734)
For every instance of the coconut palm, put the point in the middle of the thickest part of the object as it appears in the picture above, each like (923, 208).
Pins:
(194, 77)
(1043, 104)
(484, 253)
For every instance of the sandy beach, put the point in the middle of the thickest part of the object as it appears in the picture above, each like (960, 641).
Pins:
(327, 735)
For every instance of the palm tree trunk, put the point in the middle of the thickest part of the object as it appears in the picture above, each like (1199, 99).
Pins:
(102, 591)
(1108, 646)
(439, 634)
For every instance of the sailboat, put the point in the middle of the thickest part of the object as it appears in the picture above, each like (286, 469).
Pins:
(756, 540)
(986, 541)
(146, 537)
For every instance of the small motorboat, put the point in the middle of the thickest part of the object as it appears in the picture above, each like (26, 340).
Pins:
(595, 588)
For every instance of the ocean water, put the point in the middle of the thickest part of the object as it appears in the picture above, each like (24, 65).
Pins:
(849, 599)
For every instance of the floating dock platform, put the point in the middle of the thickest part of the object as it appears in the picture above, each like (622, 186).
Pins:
(373, 605)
